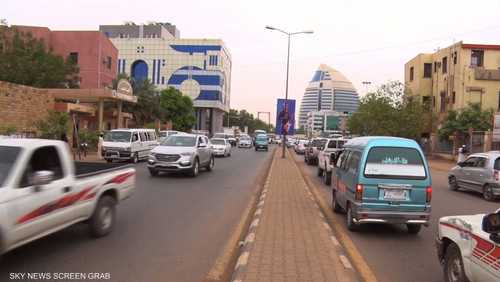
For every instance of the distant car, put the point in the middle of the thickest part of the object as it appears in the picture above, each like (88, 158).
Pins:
(480, 173)
(332, 146)
(245, 142)
(300, 148)
(278, 141)
(232, 140)
(228, 137)
(468, 247)
(311, 153)
(221, 147)
(182, 153)
(290, 141)
(261, 142)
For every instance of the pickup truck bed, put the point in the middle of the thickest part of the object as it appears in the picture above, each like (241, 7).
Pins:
(85, 169)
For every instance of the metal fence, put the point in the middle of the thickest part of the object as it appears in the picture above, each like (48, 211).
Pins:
(444, 146)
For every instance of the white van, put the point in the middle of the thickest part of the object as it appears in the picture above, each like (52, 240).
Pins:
(129, 144)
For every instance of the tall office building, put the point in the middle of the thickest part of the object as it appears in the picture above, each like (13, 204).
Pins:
(328, 90)
(199, 68)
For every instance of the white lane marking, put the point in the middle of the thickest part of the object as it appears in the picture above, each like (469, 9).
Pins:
(345, 261)
(255, 223)
(257, 212)
(327, 227)
(334, 240)
(250, 238)
(242, 260)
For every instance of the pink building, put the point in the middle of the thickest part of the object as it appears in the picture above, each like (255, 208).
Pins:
(94, 53)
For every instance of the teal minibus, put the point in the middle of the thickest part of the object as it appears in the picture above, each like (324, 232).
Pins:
(382, 180)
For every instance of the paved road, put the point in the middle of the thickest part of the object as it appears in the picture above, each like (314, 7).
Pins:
(392, 253)
(172, 229)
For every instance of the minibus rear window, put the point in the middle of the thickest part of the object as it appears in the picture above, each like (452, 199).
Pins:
(394, 163)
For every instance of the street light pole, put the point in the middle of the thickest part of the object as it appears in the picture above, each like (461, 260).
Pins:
(289, 34)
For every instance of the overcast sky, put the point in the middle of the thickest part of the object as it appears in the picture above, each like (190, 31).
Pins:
(365, 40)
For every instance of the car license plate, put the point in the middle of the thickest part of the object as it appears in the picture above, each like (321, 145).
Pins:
(394, 194)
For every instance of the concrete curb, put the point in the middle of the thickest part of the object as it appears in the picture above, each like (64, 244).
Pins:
(246, 245)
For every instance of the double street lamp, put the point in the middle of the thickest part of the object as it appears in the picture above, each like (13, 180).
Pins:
(289, 34)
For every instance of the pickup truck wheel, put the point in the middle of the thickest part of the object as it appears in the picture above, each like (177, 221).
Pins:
(327, 177)
(452, 183)
(488, 193)
(413, 228)
(153, 172)
(453, 265)
(195, 169)
(103, 220)
(335, 205)
(211, 164)
(351, 225)
(135, 158)
(320, 171)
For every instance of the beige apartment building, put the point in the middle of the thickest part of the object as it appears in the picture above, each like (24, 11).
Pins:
(452, 77)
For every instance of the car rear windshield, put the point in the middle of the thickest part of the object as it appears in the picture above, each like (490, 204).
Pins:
(395, 163)
(497, 164)
(318, 142)
(9, 156)
(218, 142)
(336, 144)
(180, 141)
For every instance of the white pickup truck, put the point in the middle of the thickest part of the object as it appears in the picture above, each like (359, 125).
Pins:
(332, 145)
(468, 247)
(42, 190)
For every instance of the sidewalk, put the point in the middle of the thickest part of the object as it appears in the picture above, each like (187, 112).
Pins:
(289, 239)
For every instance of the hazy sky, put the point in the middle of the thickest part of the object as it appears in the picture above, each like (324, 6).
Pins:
(365, 40)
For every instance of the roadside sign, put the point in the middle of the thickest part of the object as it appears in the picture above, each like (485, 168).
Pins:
(285, 117)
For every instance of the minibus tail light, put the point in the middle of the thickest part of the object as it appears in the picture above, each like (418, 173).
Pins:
(359, 192)
(428, 192)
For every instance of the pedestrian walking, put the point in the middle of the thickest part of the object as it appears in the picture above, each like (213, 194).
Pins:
(99, 146)
(462, 151)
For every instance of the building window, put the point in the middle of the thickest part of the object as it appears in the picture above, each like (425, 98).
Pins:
(212, 60)
(455, 58)
(73, 57)
(443, 102)
(140, 49)
(109, 61)
(445, 64)
(411, 73)
(453, 97)
(427, 70)
(476, 58)
(121, 35)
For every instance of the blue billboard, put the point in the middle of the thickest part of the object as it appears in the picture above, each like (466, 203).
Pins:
(285, 117)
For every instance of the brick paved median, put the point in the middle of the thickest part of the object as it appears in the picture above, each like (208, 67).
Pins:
(289, 239)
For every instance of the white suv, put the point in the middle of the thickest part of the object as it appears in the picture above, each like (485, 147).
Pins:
(332, 146)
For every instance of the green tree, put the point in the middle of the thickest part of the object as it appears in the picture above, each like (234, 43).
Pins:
(470, 117)
(385, 112)
(54, 125)
(177, 108)
(25, 60)
(147, 109)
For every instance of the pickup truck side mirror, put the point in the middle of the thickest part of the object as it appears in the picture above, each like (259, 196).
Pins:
(41, 177)
(491, 225)
(461, 164)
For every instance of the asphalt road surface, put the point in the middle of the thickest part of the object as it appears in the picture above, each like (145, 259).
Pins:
(172, 229)
(392, 253)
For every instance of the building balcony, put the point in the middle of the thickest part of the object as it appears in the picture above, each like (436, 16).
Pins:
(486, 74)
